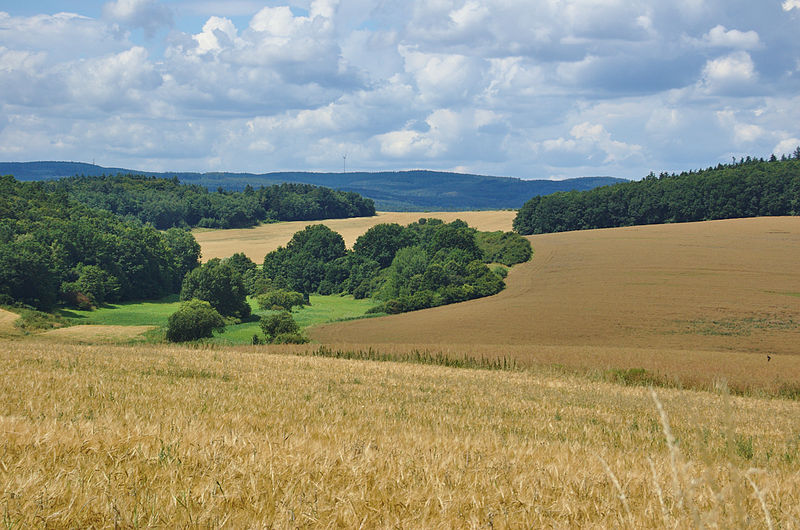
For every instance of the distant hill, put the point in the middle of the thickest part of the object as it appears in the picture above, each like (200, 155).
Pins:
(417, 190)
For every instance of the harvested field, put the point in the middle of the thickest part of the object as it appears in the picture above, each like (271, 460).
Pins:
(87, 333)
(256, 242)
(656, 296)
(101, 436)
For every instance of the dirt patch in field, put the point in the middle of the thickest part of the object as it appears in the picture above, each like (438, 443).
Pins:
(258, 241)
(86, 333)
(7, 319)
(726, 286)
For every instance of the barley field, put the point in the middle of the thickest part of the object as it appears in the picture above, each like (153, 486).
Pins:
(134, 436)
(258, 241)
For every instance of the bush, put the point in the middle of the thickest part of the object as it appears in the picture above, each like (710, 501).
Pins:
(281, 299)
(278, 324)
(289, 338)
(195, 319)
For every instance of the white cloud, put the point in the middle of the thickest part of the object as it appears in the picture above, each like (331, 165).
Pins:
(217, 32)
(788, 5)
(721, 37)
(786, 146)
(731, 74)
(146, 14)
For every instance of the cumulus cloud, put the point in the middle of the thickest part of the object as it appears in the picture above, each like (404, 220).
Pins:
(731, 74)
(721, 37)
(148, 15)
(528, 88)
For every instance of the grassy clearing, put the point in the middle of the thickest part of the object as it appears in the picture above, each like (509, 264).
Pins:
(323, 309)
(172, 437)
(146, 313)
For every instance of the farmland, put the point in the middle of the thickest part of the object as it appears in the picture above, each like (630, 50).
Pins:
(566, 434)
(256, 242)
(698, 301)
(173, 436)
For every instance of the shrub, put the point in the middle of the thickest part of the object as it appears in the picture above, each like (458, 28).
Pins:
(282, 299)
(195, 319)
(289, 338)
(278, 324)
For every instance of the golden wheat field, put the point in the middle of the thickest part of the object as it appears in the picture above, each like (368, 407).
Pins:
(704, 301)
(256, 242)
(160, 436)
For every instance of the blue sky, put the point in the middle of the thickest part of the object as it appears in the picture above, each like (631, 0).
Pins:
(525, 88)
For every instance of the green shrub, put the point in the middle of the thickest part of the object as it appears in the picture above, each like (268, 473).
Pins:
(195, 319)
(281, 299)
(289, 338)
(278, 324)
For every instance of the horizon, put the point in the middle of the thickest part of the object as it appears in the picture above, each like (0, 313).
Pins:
(529, 90)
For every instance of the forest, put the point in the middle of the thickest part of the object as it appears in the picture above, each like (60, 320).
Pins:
(425, 264)
(749, 187)
(55, 250)
(166, 202)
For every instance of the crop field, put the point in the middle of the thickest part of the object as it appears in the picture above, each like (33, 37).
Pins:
(143, 436)
(258, 241)
(698, 303)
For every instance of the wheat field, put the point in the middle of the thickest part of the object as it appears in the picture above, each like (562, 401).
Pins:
(698, 300)
(256, 242)
(102, 436)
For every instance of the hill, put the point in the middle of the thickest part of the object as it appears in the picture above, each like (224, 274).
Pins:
(748, 188)
(650, 297)
(418, 190)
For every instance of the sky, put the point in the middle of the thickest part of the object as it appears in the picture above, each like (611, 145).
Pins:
(524, 88)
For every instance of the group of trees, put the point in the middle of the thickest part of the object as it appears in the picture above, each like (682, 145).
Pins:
(424, 264)
(54, 249)
(747, 188)
(166, 203)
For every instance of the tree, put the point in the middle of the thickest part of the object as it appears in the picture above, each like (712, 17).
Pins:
(185, 250)
(195, 319)
(281, 299)
(217, 283)
(281, 328)
(381, 242)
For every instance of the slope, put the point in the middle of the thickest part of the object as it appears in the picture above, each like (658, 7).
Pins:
(418, 190)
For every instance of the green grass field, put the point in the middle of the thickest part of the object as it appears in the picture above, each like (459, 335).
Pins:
(155, 313)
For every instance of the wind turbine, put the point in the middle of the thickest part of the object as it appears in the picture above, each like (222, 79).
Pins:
(344, 163)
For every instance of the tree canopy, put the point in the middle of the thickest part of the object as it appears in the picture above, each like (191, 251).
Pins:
(53, 248)
(748, 188)
(166, 202)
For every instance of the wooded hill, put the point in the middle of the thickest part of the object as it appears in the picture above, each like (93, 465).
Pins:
(747, 188)
(166, 202)
(419, 190)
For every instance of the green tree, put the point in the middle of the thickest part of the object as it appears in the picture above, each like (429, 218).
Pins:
(281, 328)
(217, 283)
(195, 319)
(185, 251)
(381, 242)
(281, 299)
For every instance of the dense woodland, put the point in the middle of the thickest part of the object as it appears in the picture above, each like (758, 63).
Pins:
(425, 264)
(166, 203)
(747, 188)
(54, 249)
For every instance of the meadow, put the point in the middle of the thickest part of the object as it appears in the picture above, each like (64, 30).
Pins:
(170, 436)
(144, 321)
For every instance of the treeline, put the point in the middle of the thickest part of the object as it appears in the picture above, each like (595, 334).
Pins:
(54, 249)
(425, 264)
(166, 202)
(748, 188)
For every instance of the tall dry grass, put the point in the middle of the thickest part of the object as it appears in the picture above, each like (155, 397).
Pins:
(168, 436)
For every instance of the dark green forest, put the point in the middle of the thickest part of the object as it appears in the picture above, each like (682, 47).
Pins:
(166, 202)
(748, 188)
(54, 249)
(425, 264)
